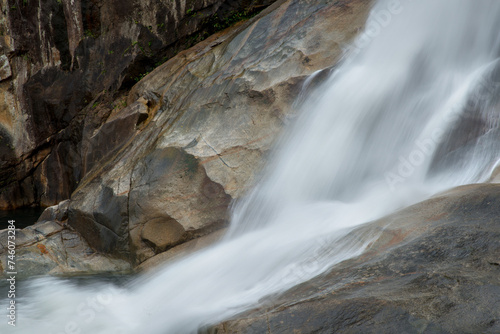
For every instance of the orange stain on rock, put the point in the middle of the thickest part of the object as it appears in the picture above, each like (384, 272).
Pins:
(42, 249)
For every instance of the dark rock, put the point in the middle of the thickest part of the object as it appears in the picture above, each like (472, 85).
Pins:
(57, 212)
(60, 60)
(102, 220)
(115, 133)
(430, 271)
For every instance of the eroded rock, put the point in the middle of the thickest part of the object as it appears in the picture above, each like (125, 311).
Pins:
(434, 269)
(62, 64)
(51, 248)
(214, 112)
(57, 212)
(5, 71)
(162, 233)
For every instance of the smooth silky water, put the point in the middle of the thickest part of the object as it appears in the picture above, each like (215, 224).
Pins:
(411, 111)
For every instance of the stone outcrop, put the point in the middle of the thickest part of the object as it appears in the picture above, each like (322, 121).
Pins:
(179, 145)
(204, 122)
(61, 59)
(51, 247)
(434, 269)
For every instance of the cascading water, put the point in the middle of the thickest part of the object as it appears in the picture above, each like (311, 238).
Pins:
(412, 111)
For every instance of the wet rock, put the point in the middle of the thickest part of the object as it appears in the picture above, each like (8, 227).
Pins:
(177, 252)
(432, 270)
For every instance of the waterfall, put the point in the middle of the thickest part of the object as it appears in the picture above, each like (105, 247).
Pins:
(410, 111)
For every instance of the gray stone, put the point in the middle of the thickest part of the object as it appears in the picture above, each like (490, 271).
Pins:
(48, 214)
(46, 228)
(57, 212)
(433, 269)
(5, 71)
(48, 248)
(214, 111)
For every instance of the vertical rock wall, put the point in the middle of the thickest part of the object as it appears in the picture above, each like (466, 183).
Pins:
(59, 59)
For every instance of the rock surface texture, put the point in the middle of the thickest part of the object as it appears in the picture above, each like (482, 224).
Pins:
(195, 132)
(51, 247)
(151, 161)
(80, 117)
(434, 269)
(62, 59)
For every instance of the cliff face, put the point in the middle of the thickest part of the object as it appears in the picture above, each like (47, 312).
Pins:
(59, 59)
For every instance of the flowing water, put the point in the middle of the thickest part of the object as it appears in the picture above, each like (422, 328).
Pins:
(412, 110)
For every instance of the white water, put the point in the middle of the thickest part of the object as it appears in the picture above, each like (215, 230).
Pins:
(384, 133)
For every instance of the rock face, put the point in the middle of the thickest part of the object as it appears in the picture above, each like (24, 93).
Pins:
(61, 59)
(50, 247)
(195, 131)
(162, 233)
(177, 146)
(434, 269)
